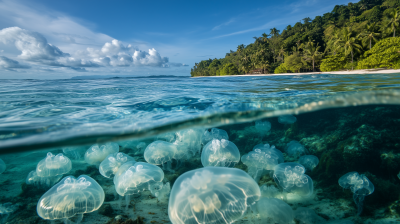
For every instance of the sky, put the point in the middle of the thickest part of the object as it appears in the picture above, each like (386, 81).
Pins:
(47, 39)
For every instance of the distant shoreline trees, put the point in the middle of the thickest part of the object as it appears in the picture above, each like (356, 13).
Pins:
(340, 40)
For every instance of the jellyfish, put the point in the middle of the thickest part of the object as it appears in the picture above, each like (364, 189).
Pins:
(291, 178)
(71, 197)
(51, 168)
(295, 149)
(287, 119)
(161, 153)
(270, 191)
(309, 161)
(211, 195)
(215, 133)
(2, 166)
(263, 127)
(111, 164)
(76, 152)
(96, 154)
(192, 138)
(132, 178)
(160, 190)
(220, 153)
(273, 210)
(360, 185)
(263, 158)
(168, 137)
(34, 179)
(5, 210)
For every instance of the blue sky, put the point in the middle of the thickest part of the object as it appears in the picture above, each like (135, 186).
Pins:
(49, 39)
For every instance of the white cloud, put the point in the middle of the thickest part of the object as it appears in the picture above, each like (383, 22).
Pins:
(223, 24)
(9, 64)
(151, 58)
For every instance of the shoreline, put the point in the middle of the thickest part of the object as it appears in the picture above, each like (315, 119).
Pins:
(348, 72)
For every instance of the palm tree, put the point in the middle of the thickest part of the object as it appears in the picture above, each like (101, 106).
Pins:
(348, 43)
(274, 32)
(281, 53)
(311, 53)
(393, 21)
(369, 33)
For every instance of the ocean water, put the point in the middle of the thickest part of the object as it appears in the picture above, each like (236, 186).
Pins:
(351, 123)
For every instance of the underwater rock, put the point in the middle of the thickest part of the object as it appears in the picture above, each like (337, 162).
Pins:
(287, 119)
(71, 197)
(273, 210)
(2, 166)
(212, 195)
(106, 210)
(307, 216)
(111, 164)
(96, 154)
(220, 153)
(309, 162)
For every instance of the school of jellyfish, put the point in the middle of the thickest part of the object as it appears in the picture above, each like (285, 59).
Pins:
(217, 193)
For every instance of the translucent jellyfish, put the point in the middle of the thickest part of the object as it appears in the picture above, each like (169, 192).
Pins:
(111, 164)
(168, 137)
(360, 185)
(160, 190)
(273, 210)
(75, 152)
(53, 165)
(307, 216)
(34, 179)
(263, 127)
(291, 178)
(141, 146)
(2, 166)
(263, 158)
(309, 161)
(192, 138)
(287, 119)
(211, 195)
(96, 154)
(215, 133)
(5, 210)
(271, 192)
(71, 197)
(161, 153)
(132, 178)
(295, 149)
(220, 153)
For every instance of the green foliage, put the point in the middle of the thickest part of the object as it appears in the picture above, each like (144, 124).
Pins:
(281, 69)
(229, 69)
(385, 54)
(345, 34)
(333, 63)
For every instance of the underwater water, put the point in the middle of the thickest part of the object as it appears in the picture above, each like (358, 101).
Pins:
(277, 149)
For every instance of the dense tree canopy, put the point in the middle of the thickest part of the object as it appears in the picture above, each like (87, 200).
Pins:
(339, 40)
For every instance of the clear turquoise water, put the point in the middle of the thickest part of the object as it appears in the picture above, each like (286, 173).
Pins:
(37, 116)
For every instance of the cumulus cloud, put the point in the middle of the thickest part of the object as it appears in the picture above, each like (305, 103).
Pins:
(9, 64)
(33, 46)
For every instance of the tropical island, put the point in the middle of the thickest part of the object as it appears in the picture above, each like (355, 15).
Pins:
(355, 36)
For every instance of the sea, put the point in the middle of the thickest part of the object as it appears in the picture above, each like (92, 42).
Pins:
(51, 129)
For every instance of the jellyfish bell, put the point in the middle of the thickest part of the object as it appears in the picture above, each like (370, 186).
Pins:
(34, 179)
(291, 178)
(212, 195)
(215, 133)
(161, 153)
(220, 153)
(273, 210)
(295, 149)
(132, 178)
(287, 119)
(71, 197)
(53, 165)
(111, 164)
(2, 166)
(192, 138)
(96, 154)
(309, 161)
(263, 127)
